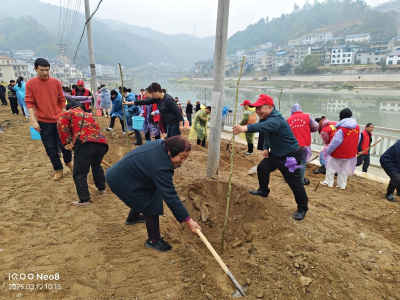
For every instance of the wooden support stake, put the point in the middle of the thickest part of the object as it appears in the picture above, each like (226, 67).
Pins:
(123, 109)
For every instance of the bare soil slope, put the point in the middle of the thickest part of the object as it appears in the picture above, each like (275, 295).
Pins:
(347, 247)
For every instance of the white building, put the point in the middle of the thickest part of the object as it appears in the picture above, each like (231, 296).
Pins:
(105, 71)
(334, 106)
(266, 46)
(294, 42)
(393, 58)
(361, 37)
(255, 56)
(389, 107)
(320, 38)
(240, 53)
(344, 54)
(25, 54)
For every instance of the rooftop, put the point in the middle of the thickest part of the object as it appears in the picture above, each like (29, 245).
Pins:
(358, 35)
(393, 53)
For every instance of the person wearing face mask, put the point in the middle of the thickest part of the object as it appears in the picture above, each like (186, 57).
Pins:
(281, 151)
(144, 178)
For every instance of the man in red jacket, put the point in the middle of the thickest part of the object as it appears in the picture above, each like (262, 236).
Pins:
(365, 142)
(81, 91)
(46, 102)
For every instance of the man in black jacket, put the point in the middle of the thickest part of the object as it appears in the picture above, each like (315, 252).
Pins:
(189, 112)
(390, 162)
(166, 106)
(12, 97)
(3, 95)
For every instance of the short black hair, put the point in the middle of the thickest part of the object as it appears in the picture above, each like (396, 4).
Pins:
(142, 90)
(114, 92)
(74, 86)
(73, 104)
(368, 124)
(209, 108)
(41, 62)
(67, 89)
(176, 98)
(176, 145)
(12, 81)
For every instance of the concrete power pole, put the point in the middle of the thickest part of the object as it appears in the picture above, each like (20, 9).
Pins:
(221, 40)
(93, 79)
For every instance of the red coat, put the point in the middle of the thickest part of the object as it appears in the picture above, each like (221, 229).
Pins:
(156, 118)
(86, 93)
(142, 98)
(366, 140)
(348, 148)
(69, 127)
(299, 122)
(330, 131)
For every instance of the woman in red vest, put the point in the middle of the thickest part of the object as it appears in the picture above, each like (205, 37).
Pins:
(302, 125)
(365, 142)
(327, 130)
(341, 154)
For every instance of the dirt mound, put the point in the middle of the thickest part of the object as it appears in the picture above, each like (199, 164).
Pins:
(347, 247)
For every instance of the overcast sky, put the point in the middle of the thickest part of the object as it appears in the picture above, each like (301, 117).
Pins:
(190, 16)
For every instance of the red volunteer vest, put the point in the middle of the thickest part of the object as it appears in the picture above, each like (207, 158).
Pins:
(299, 122)
(348, 149)
(156, 118)
(365, 142)
(330, 130)
(86, 93)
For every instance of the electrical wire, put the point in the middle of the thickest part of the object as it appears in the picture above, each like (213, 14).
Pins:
(84, 28)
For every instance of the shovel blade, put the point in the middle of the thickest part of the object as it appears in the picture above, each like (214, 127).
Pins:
(1, 129)
(237, 294)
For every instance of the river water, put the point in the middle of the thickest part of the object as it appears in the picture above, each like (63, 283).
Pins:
(381, 110)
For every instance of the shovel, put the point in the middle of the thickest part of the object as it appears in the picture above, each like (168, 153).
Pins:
(227, 146)
(240, 290)
(1, 129)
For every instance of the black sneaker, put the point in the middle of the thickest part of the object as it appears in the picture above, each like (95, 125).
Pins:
(137, 144)
(390, 197)
(321, 170)
(159, 245)
(259, 193)
(132, 221)
(398, 194)
(299, 214)
(306, 181)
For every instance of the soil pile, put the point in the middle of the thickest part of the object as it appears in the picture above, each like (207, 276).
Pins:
(347, 247)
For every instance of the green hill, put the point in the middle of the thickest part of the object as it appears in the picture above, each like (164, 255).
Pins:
(339, 17)
(113, 41)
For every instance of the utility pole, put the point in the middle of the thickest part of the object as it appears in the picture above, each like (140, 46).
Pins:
(93, 79)
(221, 40)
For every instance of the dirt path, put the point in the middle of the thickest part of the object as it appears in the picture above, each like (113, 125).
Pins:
(348, 244)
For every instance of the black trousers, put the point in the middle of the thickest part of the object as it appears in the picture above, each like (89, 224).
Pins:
(89, 155)
(112, 122)
(202, 143)
(14, 105)
(52, 143)
(364, 160)
(189, 118)
(270, 164)
(394, 183)
(250, 148)
(148, 138)
(138, 136)
(3, 99)
(152, 224)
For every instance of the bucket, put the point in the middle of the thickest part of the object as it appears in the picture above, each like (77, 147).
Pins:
(137, 123)
(34, 134)
(99, 112)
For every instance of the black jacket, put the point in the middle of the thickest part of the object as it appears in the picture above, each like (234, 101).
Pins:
(11, 92)
(189, 109)
(143, 178)
(167, 107)
(390, 160)
(197, 107)
(2, 91)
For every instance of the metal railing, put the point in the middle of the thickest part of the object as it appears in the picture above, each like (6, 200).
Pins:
(317, 143)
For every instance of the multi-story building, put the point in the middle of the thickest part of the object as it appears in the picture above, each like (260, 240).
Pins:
(26, 54)
(267, 62)
(204, 66)
(361, 37)
(390, 107)
(320, 38)
(334, 106)
(382, 45)
(328, 55)
(11, 69)
(254, 57)
(105, 71)
(370, 56)
(294, 42)
(344, 54)
(393, 58)
(240, 53)
(321, 52)
(336, 40)
(280, 59)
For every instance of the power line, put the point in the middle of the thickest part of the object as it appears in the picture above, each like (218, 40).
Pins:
(84, 27)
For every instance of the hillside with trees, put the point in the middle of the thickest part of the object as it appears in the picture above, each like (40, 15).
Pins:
(339, 17)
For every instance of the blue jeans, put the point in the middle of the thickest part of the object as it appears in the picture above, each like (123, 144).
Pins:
(52, 143)
(321, 160)
(173, 129)
(21, 103)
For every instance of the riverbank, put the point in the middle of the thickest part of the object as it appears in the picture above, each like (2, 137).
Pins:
(327, 82)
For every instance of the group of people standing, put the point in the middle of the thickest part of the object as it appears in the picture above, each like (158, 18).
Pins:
(16, 96)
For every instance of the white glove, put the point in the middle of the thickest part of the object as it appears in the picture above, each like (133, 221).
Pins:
(153, 113)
